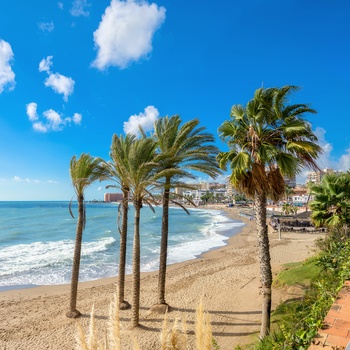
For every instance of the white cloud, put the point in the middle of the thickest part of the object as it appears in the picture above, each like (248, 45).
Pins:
(18, 179)
(324, 160)
(145, 120)
(51, 182)
(125, 32)
(31, 111)
(46, 26)
(58, 82)
(45, 64)
(40, 127)
(54, 120)
(7, 76)
(99, 188)
(50, 119)
(344, 161)
(79, 8)
(28, 180)
(76, 119)
(60, 5)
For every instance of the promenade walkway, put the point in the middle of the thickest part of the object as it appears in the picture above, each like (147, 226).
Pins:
(335, 335)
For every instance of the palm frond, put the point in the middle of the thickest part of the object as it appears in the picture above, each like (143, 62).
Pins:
(181, 206)
(70, 208)
(273, 135)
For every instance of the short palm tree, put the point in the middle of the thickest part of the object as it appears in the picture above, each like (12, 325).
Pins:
(268, 139)
(83, 172)
(182, 148)
(141, 169)
(287, 208)
(117, 168)
(288, 192)
(331, 204)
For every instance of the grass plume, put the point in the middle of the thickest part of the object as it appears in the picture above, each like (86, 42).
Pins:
(114, 324)
(204, 335)
(174, 338)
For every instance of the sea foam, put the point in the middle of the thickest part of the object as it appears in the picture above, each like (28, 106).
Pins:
(38, 249)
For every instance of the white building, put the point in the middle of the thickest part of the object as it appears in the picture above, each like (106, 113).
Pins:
(300, 199)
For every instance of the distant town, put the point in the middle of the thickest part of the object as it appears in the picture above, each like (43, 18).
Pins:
(213, 192)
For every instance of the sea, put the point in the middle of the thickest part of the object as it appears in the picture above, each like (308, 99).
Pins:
(37, 240)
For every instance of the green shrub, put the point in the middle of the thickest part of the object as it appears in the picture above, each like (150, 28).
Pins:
(299, 320)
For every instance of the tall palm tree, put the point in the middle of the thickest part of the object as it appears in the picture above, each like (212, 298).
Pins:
(83, 172)
(183, 148)
(119, 154)
(141, 169)
(331, 204)
(268, 139)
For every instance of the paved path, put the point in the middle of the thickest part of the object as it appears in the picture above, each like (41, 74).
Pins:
(335, 335)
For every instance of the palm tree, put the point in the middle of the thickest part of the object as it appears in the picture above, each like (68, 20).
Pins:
(117, 168)
(83, 172)
(183, 148)
(268, 140)
(287, 192)
(208, 197)
(286, 208)
(141, 170)
(331, 204)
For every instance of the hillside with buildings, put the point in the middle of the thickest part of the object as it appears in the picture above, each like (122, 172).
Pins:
(203, 192)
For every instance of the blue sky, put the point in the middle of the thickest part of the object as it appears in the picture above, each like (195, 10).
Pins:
(74, 72)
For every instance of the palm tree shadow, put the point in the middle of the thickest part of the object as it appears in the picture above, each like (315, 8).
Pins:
(231, 322)
(172, 309)
(101, 317)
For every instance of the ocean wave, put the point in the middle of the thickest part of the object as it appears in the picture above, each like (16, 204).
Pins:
(41, 250)
(28, 257)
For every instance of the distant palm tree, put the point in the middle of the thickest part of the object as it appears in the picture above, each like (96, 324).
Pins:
(331, 204)
(268, 140)
(83, 172)
(208, 197)
(119, 153)
(288, 191)
(141, 169)
(182, 148)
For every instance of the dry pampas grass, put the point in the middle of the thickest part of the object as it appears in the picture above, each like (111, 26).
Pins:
(173, 338)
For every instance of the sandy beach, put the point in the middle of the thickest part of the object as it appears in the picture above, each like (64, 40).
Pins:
(227, 279)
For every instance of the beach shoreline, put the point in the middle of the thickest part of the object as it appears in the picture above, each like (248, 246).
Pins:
(226, 278)
(225, 233)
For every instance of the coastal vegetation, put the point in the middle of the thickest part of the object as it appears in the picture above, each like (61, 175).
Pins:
(331, 204)
(145, 167)
(268, 140)
(142, 167)
(183, 148)
(170, 338)
(296, 322)
(119, 154)
(83, 172)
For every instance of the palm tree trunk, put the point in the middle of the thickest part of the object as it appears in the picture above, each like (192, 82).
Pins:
(265, 262)
(123, 305)
(73, 312)
(164, 245)
(136, 268)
